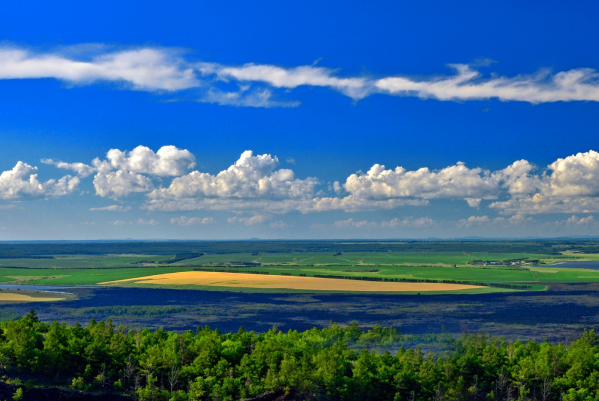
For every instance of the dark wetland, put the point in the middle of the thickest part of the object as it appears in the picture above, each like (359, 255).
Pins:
(558, 314)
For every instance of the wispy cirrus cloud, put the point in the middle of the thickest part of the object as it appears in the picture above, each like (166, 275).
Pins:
(170, 71)
(82, 169)
(249, 221)
(244, 97)
(420, 222)
(355, 223)
(111, 208)
(469, 84)
(190, 221)
(150, 222)
(147, 69)
(290, 78)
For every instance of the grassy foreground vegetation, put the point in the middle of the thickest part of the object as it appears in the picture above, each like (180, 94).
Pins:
(334, 363)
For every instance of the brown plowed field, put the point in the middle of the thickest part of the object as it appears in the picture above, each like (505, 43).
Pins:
(288, 282)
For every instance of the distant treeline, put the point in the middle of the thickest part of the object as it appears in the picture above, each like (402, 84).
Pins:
(231, 271)
(37, 250)
(507, 262)
(412, 280)
(329, 364)
(184, 256)
(20, 256)
(232, 264)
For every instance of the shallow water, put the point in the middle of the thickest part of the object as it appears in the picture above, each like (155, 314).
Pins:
(39, 288)
(577, 265)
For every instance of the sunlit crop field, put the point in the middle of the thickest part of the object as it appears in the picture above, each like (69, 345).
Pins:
(288, 282)
(20, 298)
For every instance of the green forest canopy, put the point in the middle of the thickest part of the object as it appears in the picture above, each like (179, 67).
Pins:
(333, 363)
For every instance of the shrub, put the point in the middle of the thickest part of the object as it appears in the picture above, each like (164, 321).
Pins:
(78, 383)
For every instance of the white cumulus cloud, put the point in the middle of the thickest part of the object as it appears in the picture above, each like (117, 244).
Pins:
(473, 220)
(168, 161)
(117, 184)
(575, 220)
(255, 184)
(453, 182)
(126, 172)
(252, 180)
(568, 185)
(21, 182)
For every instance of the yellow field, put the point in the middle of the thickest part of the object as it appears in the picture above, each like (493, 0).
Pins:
(12, 297)
(288, 282)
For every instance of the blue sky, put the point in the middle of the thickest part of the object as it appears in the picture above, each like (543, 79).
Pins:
(489, 109)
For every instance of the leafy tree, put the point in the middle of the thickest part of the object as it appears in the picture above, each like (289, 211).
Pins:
(333, 363)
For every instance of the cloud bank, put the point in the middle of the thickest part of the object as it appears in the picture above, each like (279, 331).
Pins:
(169, 71)
(255, 187)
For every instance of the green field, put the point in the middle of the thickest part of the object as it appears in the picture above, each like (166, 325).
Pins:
(309, 259)
(73, 276)
(375, 258)
(77, 276)
(83, 261)
(94, 269)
